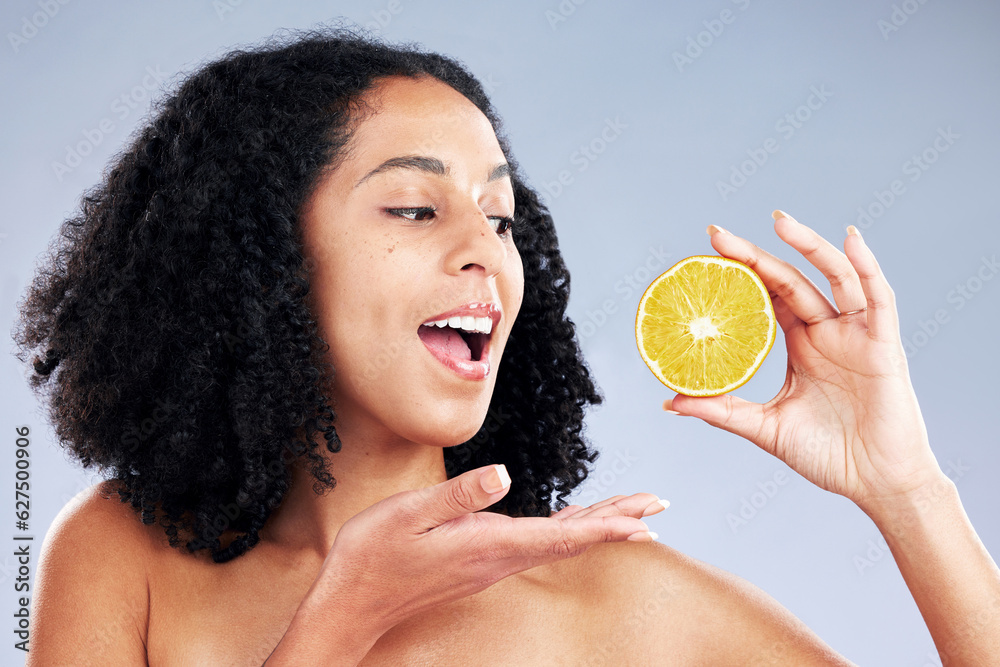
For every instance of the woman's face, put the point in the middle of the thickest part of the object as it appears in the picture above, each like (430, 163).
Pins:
(400, 243)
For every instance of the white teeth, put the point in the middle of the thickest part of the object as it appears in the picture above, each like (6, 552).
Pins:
(466, 323)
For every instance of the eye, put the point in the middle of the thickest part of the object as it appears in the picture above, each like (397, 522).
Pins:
(504, 224)
(418, 213)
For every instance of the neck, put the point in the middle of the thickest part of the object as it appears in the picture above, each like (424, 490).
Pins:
(372, 465)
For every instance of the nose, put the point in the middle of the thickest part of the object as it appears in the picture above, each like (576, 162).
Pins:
(475, 243)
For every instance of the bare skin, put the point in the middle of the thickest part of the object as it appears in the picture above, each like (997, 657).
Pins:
(606, 600)
(619, 603)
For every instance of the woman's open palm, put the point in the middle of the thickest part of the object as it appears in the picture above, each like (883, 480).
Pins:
(847, 418)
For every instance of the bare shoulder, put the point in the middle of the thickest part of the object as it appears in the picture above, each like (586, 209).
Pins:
(99, 511)
(96, 520)
(646, 600)
(91, 598)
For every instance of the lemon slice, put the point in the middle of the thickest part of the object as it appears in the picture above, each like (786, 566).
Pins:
(705, 326)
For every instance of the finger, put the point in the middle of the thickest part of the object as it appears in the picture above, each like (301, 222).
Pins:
(604, 502)
(782, 280)
(637, 505)
(729, 413)
(833, 264)
(783, 313)
(542, 540)
(883, 320)
(469, 492)
(566, 512)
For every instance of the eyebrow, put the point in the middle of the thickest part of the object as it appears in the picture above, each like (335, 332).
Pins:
(429, 165)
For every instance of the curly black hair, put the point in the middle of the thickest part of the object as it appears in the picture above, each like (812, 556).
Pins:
(167, 325)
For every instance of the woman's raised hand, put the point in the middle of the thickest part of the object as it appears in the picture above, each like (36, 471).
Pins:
(418, 549)
(846, 418)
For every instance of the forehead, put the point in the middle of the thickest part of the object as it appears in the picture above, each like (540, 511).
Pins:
(421, 116)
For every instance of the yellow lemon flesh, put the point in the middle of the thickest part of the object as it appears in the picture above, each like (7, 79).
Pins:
(705, 326)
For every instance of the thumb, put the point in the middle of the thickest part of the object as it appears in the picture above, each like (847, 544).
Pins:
(469, 492)
(727, 412)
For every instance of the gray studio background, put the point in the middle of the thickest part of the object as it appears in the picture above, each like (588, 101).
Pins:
(627, 117)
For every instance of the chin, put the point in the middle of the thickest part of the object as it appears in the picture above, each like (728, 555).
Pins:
(457, 439)
(449, 436)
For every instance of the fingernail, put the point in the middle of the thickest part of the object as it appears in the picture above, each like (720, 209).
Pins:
(495, 479)
(778, 213)
(648, 536)
(669, 408)
(851, 229)
(711, 229)
(657, 505)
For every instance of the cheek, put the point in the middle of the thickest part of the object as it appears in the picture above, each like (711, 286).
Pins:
(370, 297)
(340, 290)
(514, 282)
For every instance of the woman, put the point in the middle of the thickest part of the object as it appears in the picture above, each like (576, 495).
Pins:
(290, 249)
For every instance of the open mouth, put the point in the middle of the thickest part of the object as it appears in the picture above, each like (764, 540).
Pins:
(460, 338)
(455, 342)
